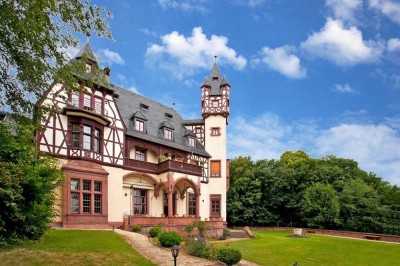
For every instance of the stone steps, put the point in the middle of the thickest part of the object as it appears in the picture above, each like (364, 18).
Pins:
(239, 234)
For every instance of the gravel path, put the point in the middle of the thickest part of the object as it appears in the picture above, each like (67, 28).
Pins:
(163, 257)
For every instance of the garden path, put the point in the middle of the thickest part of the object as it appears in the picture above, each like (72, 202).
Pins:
(162, 256)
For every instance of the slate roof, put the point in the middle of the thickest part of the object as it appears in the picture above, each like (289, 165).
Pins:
(87, 51)
(129, 104)
(193, 122)
(215, 80)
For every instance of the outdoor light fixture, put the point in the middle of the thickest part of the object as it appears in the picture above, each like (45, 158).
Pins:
(175, 252)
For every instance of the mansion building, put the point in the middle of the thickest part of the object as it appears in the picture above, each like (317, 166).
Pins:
(129, 159)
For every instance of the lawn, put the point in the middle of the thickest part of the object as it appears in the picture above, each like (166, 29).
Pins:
(74, 247)
(274, 248)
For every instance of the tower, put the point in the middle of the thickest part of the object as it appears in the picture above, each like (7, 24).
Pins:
(215, 93)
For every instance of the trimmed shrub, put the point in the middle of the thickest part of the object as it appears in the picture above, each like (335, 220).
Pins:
(168, 239)
(155, 232)
(198, 249)
(136, 228)
(229, 256)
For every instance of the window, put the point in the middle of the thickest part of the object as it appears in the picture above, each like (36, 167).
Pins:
(97, 105)
(198, 130)
(144, 106)
(140, 155)
(140, 201)
(215, 205)
(88, 68)
(87, 131)
(168, 133)
(192, 142)
(215, 168)
(87, 101)
(215, 131)
(74, 99)
(215, 79)
(169, 116)
(215, 103)
(89, 135)
(86, 193)
(139, 125)
(192, 204)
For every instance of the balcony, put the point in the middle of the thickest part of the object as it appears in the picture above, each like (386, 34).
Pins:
(165, 166)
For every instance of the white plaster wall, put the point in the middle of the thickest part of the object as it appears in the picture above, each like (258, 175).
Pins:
(216, 147)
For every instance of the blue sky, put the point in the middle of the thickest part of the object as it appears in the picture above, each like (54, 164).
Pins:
(320, 76)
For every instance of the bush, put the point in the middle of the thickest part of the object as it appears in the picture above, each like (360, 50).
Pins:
(168, 239)
(136, 228)
(189, 228)
(226, 233)
(198, 249)
(155, 232)
(229, 256)
(201, 226)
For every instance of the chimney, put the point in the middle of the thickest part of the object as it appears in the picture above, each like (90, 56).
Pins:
(107, 71)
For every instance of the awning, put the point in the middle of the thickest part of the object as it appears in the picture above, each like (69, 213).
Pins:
(140, 185)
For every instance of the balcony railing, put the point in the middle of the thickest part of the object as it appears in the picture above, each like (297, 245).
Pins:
(165, 166)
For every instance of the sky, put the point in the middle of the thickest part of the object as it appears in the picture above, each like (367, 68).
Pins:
(319, 76)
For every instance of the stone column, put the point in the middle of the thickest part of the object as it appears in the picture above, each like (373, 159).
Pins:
(197, 205)
(170, 209)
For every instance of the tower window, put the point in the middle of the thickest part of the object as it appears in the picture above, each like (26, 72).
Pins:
(215, 79)
(215, 168)
(215, 103)
(88, 68)
(215, 131)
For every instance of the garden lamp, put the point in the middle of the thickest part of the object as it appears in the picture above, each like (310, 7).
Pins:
(175, 252)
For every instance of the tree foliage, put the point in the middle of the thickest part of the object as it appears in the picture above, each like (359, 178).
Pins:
(28, 180)
(34, 37)
(297, 190)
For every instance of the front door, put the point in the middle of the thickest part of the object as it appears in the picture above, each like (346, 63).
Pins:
(166, 203)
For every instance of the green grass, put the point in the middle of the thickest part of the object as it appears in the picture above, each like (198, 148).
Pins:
(74, 247)
(274, 248)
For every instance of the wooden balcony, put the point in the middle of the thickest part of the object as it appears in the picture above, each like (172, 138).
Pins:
(88, 112)
(162, 167)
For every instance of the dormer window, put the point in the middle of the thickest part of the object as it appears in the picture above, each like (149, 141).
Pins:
(215, 79)
(139, 125)
(192, 142)
(144, 106)
(168, 133)
(169, 116)
(88, 68)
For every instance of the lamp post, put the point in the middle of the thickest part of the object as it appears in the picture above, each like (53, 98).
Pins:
(175, 252)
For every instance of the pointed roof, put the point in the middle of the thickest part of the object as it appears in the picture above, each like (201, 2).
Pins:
(139, 115)
(214, 81)
(167, 125)
(87, 51)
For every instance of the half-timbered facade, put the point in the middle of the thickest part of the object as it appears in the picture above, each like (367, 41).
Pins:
(129, 158)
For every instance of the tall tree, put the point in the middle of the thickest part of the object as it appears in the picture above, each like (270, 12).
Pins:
(34, 36)
(28, 180)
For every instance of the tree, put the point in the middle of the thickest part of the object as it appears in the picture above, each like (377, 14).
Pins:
(33, 39)
(28, 180)
(320, 206)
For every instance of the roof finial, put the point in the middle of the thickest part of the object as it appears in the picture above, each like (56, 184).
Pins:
(215, 59)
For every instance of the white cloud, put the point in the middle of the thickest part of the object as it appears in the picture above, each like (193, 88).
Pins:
(389, 8)
(148, 32)
(345, 89)
(183, 56)
(70, 51)
(133, 89)
(250, 3)
(345, 10)
(376, 147)
(343, 46)
(109, 57)
(283, 60)
(393, 45)
(185, 5)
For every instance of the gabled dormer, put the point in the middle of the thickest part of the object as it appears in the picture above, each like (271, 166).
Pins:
(167, 130)
(139, 122)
